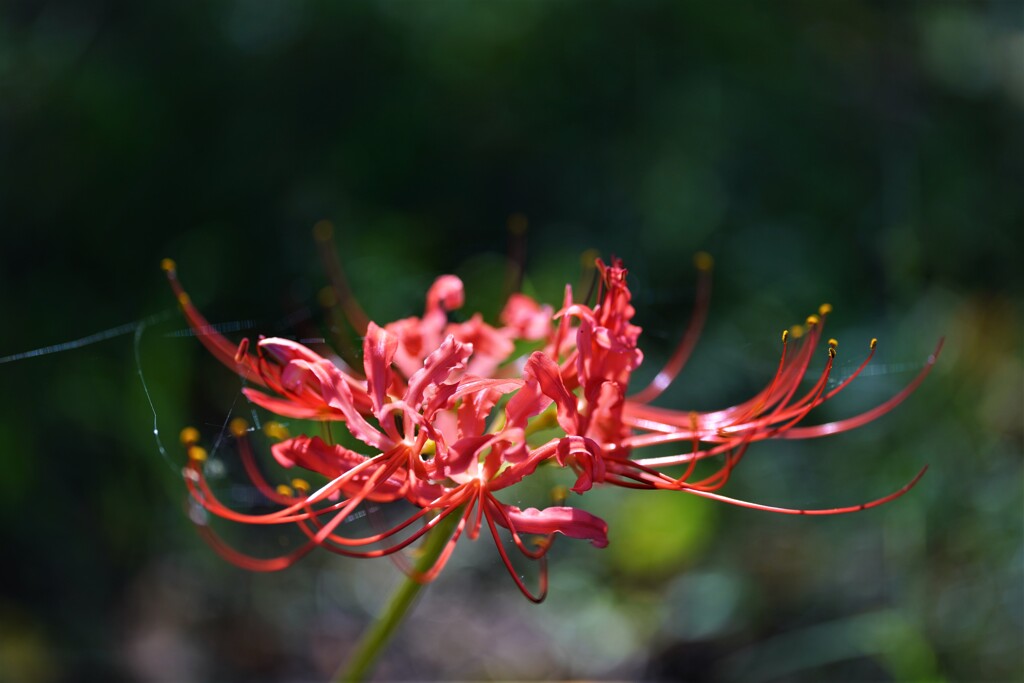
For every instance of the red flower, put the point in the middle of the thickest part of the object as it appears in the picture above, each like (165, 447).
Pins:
(446, 416)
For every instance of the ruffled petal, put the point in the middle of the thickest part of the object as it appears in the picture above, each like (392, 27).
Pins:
(379, 350)
(585, 457)
(546, 372)
(571, 522)
(450, 356)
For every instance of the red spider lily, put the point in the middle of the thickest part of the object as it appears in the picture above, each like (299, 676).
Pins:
(446, 414)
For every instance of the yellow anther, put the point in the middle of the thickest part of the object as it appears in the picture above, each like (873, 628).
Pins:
(300, 485)
(559, 494)
(797, 331)
(833, 343)
(285, 490)
(197, 453)
(874, 343)
(168, 264)
(429, 447)
(183, 299)
(824, 309)
(326, 297)
(703, 260)
(275, 430)
(323, 231)
(831, 352)
(189, 436)
(812, 320)
(785, 336)
(238, 427)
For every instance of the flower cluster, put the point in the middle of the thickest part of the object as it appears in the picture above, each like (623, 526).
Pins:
(451, 414)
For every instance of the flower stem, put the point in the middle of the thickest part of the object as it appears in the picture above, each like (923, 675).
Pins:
(376, 638)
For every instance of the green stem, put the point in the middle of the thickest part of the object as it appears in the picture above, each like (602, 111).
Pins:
(376, 638)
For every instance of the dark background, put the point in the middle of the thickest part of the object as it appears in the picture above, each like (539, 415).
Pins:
(865, 154)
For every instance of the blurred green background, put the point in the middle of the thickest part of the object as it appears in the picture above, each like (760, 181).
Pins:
(864, 154)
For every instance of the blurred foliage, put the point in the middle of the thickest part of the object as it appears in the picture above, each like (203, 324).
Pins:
(866, 154)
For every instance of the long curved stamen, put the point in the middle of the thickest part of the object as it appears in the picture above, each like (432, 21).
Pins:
(229, 354)
(651, 418)
(238, 429)
(860, 368)
(758, 404)
(532, 597)
(684, 349)
(393, 461)
(245, 561)
(870, 415)
(802, 511)
(442, 560)
(341, 544)
(786, 411)
(498, 509)
(762, 428)
(718, 479)
(197, 486)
